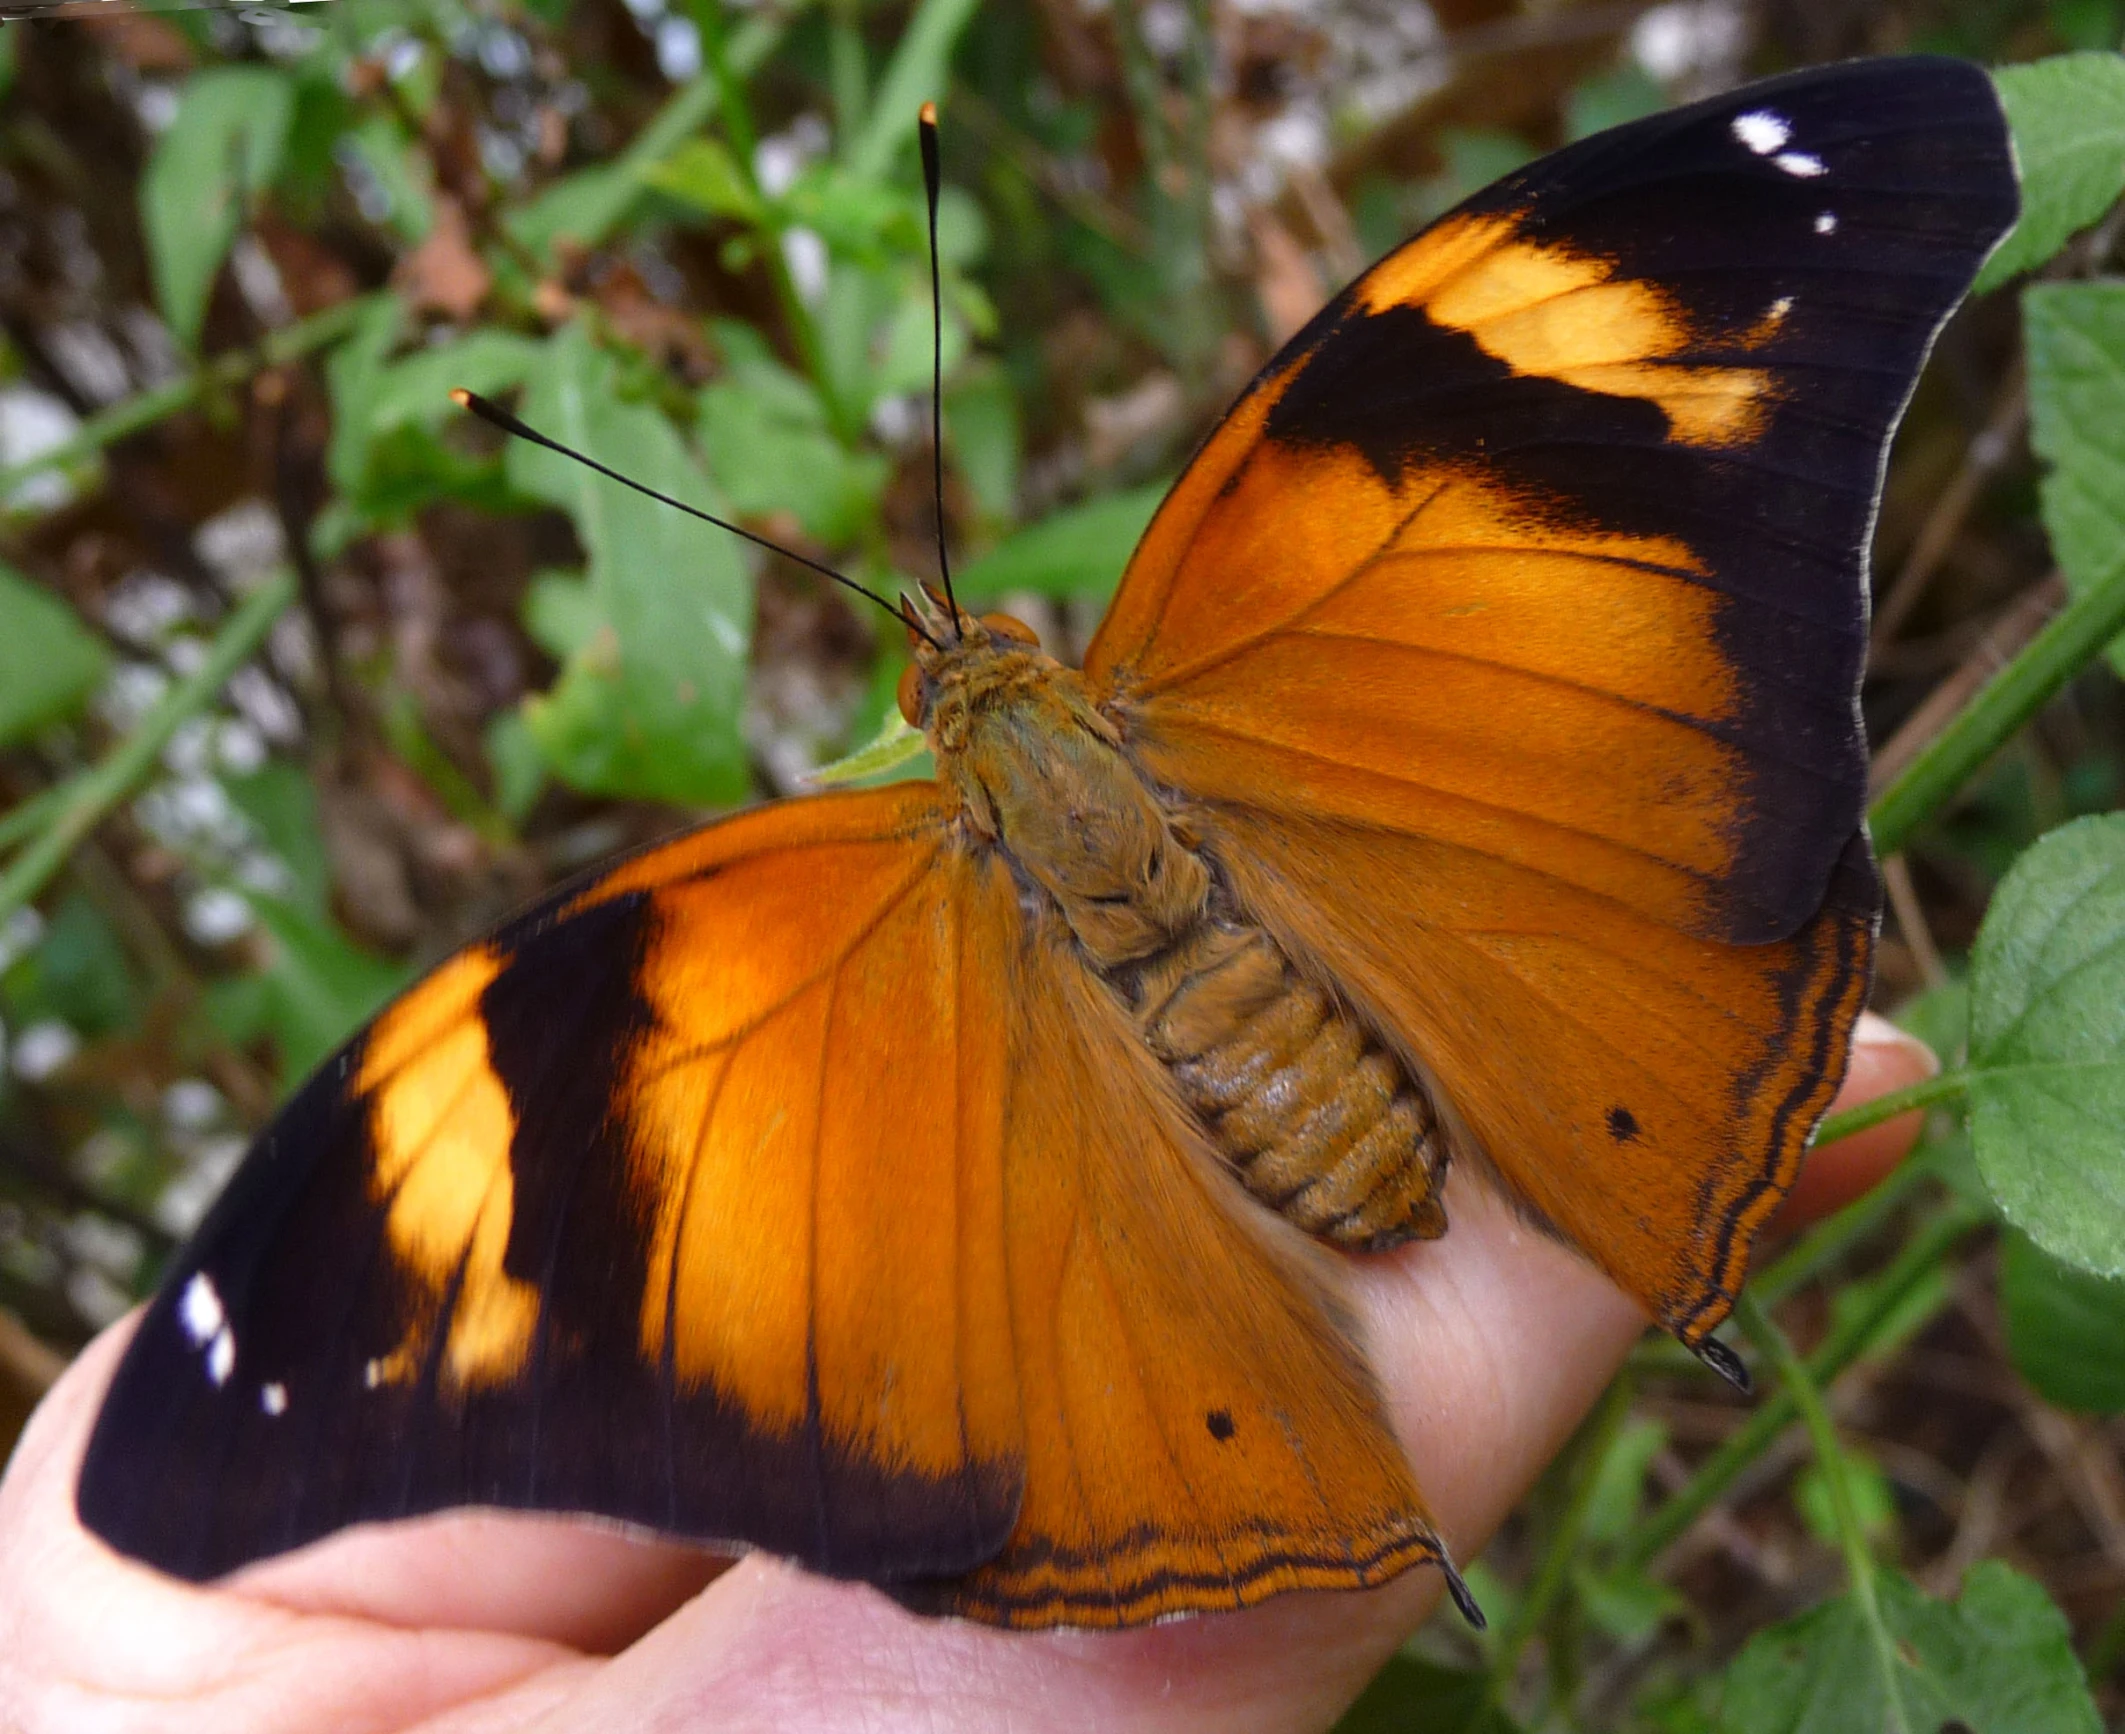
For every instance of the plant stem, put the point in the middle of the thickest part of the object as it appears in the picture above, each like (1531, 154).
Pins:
(1561, 1546)
(1797, 1383)
(1822, 1245)
(144, 409)
(2075, 636)
(1848, 1339)
(30, 817)
(91, 795)
(847, 76)
(1923, 1094)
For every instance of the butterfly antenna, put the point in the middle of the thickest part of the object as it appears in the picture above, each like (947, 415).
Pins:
(499, 417)
(932, 178)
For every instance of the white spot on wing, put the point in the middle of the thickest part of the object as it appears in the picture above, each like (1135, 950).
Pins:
(1826, 224)
(1762, 131)
(221, 1356)
(273, 1398)
(1801, 164)
(199, 1310)
(372, 1375)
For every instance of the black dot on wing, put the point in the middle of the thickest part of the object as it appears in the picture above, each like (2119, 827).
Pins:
(1220, 1423)
(1623, 1125)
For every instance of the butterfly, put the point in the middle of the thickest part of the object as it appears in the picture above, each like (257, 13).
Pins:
(949, 1184)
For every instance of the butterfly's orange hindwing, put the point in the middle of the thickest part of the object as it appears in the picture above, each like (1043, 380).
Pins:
(1507, 635)
(675, 1202)
(1201, 1432)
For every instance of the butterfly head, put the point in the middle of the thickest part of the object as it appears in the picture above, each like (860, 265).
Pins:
(962, 664)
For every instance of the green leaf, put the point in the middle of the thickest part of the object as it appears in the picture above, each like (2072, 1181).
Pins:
(323, 115)
(1624, 93)
(857, 302)
(317, 990)
(49, 662)
(517, 765)
(1619, 1479)
(1998, 1659)
(416, 391)
(2047, 1044)
(589, 205)
(647, 704)
(896, 745)
(1628, 1605)
(2086, 23)
(1475, 157)
(1915, 1309)
(223, 148)
(79, 973)
(918, 72)
(400, 171)
(857, 219)
(1622, 1601)
(702, 173)
(582, 207)
(1414, 1696)
(561, 613)
(282, 804)
(1939, 1017)
(390, 454)
(903, 352)
(2067, 115)
(2064, 1328)
(1079, 551)
(981, 427)
(2075, 334)
(1873, 1499)
(354, 374)
(770, 451)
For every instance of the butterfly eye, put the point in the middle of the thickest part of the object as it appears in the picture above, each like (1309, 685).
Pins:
(1005, 626)
(910, 694)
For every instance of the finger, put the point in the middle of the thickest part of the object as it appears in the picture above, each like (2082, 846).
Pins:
(90, 1640)
(595, 1589)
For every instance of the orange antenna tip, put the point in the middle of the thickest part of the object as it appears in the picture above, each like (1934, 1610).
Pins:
(461, 397)
(928, 116)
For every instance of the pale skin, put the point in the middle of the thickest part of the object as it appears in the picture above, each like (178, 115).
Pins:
(1491, 1343)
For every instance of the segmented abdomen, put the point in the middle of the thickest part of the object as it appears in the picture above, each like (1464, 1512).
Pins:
(1321, 1122)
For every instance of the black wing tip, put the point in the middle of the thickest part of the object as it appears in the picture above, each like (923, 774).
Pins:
(1464, 1600)
(1723, 1361)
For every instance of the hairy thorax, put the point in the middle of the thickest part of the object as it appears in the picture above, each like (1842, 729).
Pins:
(1320, 1120)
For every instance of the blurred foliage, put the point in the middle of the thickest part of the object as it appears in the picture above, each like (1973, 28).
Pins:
(690, 241)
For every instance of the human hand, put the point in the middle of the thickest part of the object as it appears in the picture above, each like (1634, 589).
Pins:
(1491, 1345)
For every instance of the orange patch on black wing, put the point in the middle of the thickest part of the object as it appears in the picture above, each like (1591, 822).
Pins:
(448, 1275)
(441, 1129)
(1546, 310)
